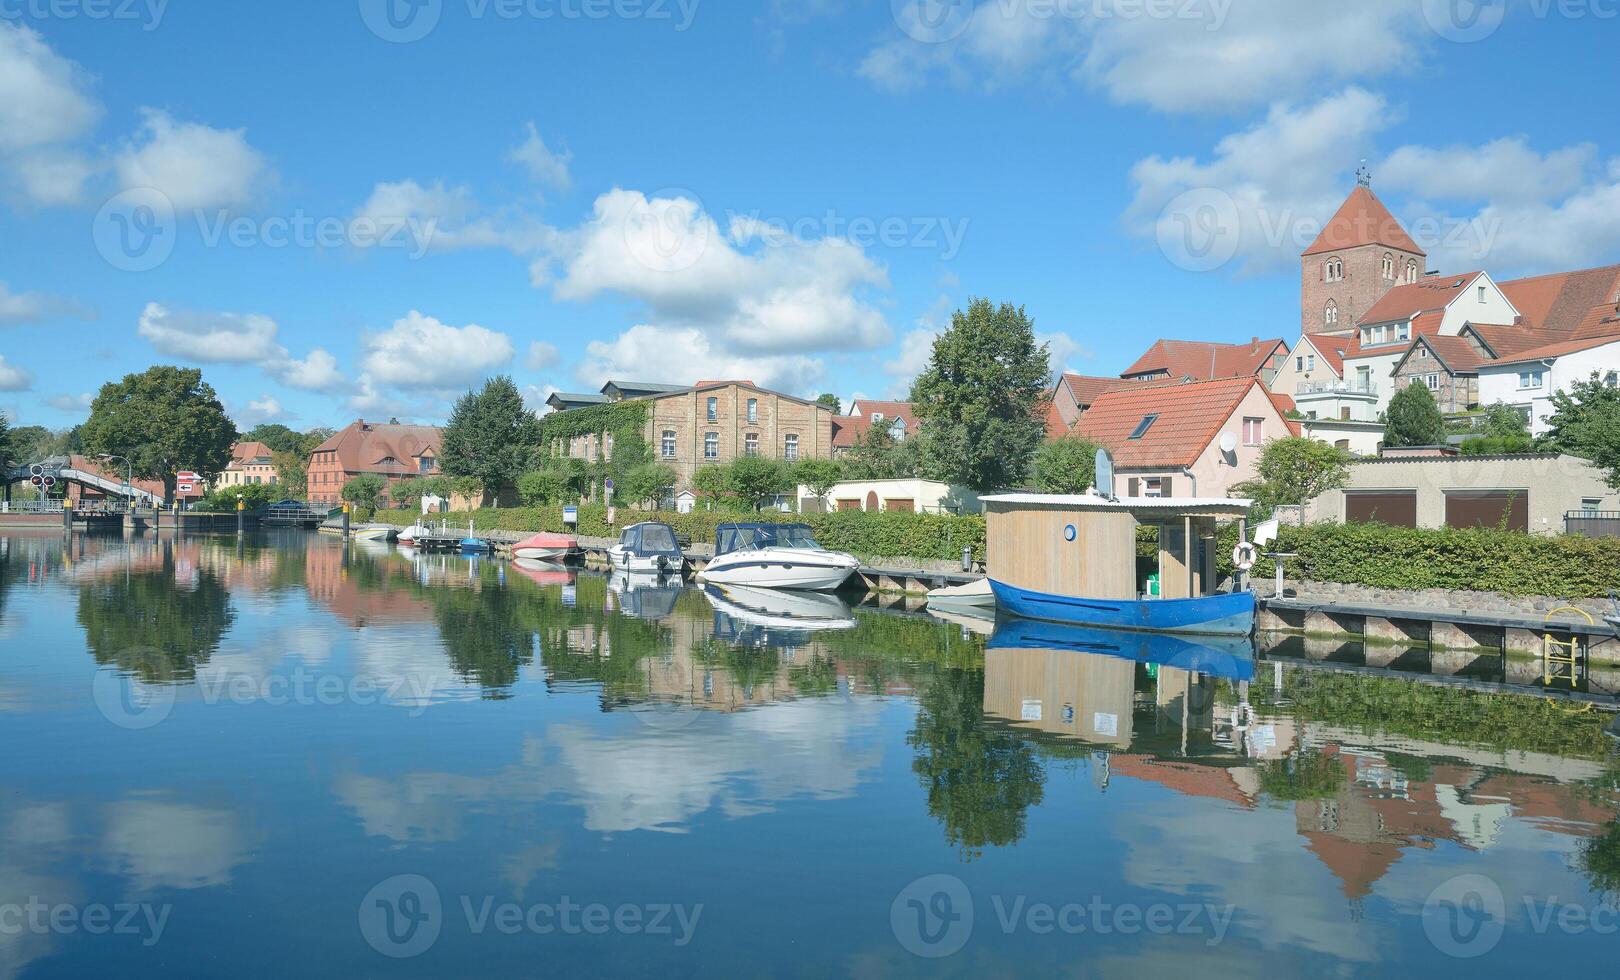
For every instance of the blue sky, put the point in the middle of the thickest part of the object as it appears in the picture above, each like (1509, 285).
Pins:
(337, 221)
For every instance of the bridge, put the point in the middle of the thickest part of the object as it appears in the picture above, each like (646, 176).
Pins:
(291, 513)
(63, 469)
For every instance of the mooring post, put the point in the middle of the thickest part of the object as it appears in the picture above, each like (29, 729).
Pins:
(345, 519)
(241, 509)
(67, 515)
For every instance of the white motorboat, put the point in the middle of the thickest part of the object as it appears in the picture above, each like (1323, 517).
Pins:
(972, 597)
(776, 556)
(408, 536)
(648, 547)
(647, 595)
(373, 532)
(547, 547)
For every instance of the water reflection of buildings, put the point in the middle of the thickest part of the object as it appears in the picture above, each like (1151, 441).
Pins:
(1361, 799)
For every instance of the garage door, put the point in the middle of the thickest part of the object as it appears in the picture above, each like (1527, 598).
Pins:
(906, 506)
(1488, 508)
(1394, 507)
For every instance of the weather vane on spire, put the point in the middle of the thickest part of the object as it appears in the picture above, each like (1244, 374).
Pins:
(1363, 175)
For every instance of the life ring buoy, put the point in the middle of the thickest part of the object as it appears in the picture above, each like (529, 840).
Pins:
(1244, 556)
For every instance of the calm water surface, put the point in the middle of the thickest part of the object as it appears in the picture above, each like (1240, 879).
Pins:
(292, 757)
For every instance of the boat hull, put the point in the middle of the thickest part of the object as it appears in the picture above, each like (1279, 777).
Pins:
(546, 547)
(774, 569)
(1226, 614)
(653, 564)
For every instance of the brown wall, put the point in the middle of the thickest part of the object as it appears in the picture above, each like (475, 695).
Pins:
(1456, 393)
(1362, 286)
(1025, 547)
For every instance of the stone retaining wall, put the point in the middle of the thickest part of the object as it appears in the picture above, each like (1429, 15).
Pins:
(1485, 603)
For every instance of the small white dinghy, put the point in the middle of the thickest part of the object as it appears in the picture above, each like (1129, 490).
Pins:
(974, 595)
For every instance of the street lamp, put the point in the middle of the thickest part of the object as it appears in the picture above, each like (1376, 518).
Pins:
(129, 480)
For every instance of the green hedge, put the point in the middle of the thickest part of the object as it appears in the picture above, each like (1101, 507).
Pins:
(1485, 560)
(869, 535)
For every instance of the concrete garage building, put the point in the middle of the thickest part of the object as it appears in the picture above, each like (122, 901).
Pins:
(908, 496)
(1532, 493)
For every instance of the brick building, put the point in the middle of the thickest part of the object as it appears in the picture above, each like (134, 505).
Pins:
(716, 422)
(1361, 254)
(391, 451)
(250, 463)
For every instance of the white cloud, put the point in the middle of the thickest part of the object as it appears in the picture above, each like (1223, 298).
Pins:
(44, 98)
(682, 355)
(13, 378)
(71, 403)
(53, 176)
(265, 408)
(542, 356)
(441, 218)
(544, 165)
(316, 372)
(534, 398)
(1066, 351)
(1137, 56)
(195, 166)
(753, 291)
(419, 352)
(23, 308)
(1264, 193)
(213, 338)
(155, 844)
(916, 348)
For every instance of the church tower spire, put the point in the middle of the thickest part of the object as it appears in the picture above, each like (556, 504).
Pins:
(1361, 254)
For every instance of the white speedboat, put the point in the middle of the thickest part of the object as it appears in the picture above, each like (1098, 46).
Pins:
(408, 536)
(776, 556)
(648, 547)
(373, 532)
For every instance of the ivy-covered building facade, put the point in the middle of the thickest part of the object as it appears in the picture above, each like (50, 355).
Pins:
(687, 427)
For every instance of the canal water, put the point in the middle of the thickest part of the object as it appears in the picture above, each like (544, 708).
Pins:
(291, 757)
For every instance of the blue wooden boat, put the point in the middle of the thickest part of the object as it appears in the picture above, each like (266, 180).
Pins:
(1228, 657)
(1222, 614)
(474, 546)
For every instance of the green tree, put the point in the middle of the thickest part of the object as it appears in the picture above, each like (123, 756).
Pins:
(562, 480)
(819, 475)
(364, 491)
(1585, 422)
(1502, 421)
(755, 480)
(646, 483)
(254, 495)
(8, 450)
(833, 402)
(1413, 419)
(980, 397)
(491, 436)
(145, 624)
(1067, 465)
(1497, 445)
(165, 419)
(33, 443)
(278, 437)
(713, 481)
(877, 455)
(1294, 470)
(292, 473)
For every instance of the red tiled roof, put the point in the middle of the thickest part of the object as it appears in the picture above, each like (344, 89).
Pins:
(1056, 428)
(1362, 220)
(364, 447)
(1558, 349)
(849, 430)
(1423, 325)
(1426, 295)
(1559, 301)
(1455, 354)
(1086, 388)
(889, 410)
(245, 452)
(1506, 341)
(1335, 349)
(1203, 360)
(1189, 418)
(1600, 321)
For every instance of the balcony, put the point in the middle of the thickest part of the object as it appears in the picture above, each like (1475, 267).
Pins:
(1367, 388)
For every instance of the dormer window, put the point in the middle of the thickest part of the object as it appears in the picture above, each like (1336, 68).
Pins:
(1143, 426)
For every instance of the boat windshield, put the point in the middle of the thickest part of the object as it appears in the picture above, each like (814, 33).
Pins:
(657, 537)
(737, 537)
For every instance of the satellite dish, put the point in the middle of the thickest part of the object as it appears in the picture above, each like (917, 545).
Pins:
(1104, 478)
(1228, 442)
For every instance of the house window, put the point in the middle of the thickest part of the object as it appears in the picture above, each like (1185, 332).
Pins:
(1143, 426)
(1482, 294)
(711, 445)
(751, 444)
(714, 409)
(1335, 270)
(1403, 332)
(1612, 379)
(1422, 351)
(1152, 488)
(1389, 266)
(1591, 505)
(790, 447)
(753, 410)
(607, 445)
(1331, 315)
(1299, 364)
(1433, 381)
(669, 443)
(1253, 431)
(1310, 363)
(1530, 379)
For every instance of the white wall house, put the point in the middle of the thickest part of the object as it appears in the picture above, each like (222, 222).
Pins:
(912, 496)
(1528, 380)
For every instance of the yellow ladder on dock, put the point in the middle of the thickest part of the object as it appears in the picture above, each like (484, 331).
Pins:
(1559, 657)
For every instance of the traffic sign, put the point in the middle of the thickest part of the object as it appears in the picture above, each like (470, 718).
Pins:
(570, 515)
(50, 481)
(36, 470)
(36, 479)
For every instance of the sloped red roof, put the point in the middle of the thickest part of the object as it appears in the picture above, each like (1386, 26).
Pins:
(1203, 360)
(1455, 354)
(1056, 428)
(1086, 388)
(367, 447)
(1558, 349)
(246, 452)
(1426, 295)
(1508, 340)
(1559, 301)
(849, 430)
(1363, 220)
(1189, 418)
(1334, 349)
(1600, 321)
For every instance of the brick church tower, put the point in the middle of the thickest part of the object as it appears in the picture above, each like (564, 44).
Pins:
(1359, 256)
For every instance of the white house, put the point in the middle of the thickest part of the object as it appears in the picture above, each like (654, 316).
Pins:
(1338, 410)
(910, 496)
(1527, 380)
(1440, 305)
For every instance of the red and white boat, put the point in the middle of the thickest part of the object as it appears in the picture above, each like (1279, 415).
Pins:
(547, 546)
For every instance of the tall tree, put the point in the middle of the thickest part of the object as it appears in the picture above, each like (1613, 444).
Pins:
(1067, 465)
(278, 437)
(979, 399)
(1413, 419)
(164, 420)
(491, 436)
(1586, 422)
(8, 450)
